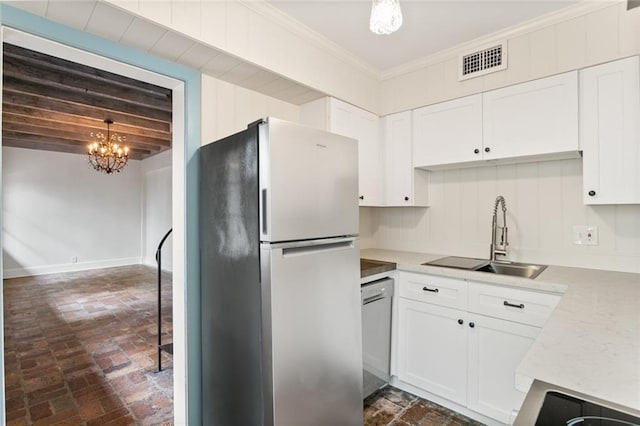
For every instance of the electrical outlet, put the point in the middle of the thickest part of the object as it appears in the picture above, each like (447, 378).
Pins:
(74, 259)
(585, 235)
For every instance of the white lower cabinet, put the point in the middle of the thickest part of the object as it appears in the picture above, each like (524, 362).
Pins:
(495, 348)
(459, 354)
(433, 349)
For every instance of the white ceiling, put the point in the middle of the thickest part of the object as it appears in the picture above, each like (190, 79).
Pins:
(109, 21)
(429, 25)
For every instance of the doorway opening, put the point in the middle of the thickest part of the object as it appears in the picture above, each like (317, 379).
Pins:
(173, 173)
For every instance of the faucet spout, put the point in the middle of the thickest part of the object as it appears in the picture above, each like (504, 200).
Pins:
(499, 248)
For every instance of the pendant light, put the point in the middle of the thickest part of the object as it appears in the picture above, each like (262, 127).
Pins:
(386, 16)
(108, 153)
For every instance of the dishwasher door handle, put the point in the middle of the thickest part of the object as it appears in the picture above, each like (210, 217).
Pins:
(373, 298)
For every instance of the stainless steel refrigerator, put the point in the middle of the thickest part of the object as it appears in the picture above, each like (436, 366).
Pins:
(280, 291)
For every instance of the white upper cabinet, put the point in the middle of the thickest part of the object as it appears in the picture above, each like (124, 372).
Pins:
(403, 185)
(610, 132)
(524, 122)
(348, 120)
(536, 118)
(448, 133)
(345, 119)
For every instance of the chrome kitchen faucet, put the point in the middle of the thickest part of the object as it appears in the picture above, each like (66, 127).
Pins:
(501, 247)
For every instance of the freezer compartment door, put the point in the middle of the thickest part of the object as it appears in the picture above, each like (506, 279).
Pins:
(308, 183)
(312, 336)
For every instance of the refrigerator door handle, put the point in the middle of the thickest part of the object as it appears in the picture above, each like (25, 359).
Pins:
(316, 246)
(264, 211)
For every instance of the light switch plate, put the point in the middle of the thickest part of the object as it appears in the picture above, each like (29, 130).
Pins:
(585, 235)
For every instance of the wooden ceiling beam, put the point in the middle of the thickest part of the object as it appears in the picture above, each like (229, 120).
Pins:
(76, 132)
(42, 60)
(29, 100)
(91, 99)
(37, 117)
(61, 146)
(23, 71)
(44, 133)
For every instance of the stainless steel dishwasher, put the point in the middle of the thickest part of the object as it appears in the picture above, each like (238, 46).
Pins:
(376, 334)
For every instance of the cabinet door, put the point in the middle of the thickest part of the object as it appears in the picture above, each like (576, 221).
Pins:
(534, 118)
(448, 133)
(432, 349)
(348, 120)
(370, 157)
(496, 347)
(610, 132)
(404, 185)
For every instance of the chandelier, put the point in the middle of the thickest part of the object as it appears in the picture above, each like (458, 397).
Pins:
(386, 16)
(108, 154)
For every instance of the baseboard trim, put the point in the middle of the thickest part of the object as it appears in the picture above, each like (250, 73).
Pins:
(70, 267)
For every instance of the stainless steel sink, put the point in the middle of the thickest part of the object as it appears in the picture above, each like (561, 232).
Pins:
(525, 270)
(498, 247)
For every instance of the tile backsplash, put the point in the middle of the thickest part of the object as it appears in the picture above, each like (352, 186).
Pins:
(544, 202)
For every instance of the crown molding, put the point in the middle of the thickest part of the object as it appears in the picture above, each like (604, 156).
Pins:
(274, 14)
(570, 12)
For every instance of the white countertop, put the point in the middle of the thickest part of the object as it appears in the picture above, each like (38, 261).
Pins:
(591, 342)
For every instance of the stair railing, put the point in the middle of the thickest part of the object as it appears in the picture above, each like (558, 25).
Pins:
(168, 347)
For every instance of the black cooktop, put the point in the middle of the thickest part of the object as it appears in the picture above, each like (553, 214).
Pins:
(559, 409)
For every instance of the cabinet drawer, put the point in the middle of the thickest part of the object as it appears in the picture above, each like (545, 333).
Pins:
(434, 289)
(524, 306)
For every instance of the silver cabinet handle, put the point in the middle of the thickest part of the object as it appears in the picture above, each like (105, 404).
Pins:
(520, 306)
(432, 290)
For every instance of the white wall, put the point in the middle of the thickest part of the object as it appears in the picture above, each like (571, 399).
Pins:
(260, 34)
(227, 108)
(56, 207)
(156, 208)
(367, 227)
(542, 48)
(544, 201)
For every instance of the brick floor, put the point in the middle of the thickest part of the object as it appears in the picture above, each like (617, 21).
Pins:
(390, 406)
(80, 349)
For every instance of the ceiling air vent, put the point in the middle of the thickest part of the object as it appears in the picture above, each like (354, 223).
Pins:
(484, 61)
